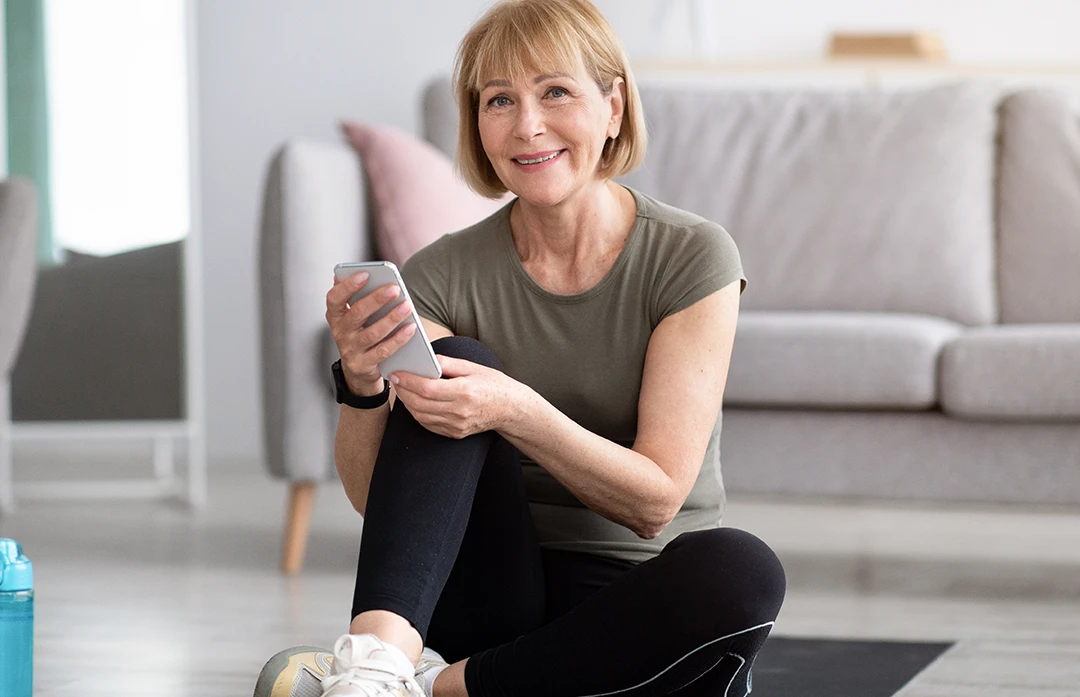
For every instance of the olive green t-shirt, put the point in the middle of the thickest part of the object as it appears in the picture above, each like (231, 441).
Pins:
(583, 353)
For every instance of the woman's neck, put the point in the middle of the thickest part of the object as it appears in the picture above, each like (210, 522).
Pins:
(577, 233)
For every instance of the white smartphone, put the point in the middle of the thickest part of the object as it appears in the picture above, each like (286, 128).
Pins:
(415, 356)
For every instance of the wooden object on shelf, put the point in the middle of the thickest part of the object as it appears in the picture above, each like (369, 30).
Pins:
(923, 46)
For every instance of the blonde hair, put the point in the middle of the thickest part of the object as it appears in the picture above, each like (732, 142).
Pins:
(516, 37)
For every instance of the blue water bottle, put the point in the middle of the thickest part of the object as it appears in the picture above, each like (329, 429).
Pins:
(16, 621)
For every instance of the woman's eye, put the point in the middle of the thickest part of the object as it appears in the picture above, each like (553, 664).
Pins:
(557, 92)
(499, 101)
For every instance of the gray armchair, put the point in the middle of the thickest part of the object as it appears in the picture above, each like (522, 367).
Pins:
(18, 272)
(313, 217)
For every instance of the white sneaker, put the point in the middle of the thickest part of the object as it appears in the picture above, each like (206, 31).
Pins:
(428, 668)
(366, 667)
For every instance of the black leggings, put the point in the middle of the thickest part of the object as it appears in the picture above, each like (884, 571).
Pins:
(449, 545)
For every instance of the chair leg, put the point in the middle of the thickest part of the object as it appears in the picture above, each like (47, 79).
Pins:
(297, 524)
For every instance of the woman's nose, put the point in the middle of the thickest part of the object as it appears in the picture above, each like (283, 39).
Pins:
(529, 122)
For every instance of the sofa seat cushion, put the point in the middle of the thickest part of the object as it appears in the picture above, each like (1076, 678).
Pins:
(837, 360)
(1027, 371)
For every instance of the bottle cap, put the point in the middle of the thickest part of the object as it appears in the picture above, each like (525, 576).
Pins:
(16, 573)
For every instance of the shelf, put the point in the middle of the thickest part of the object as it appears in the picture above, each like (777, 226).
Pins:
(852, 65)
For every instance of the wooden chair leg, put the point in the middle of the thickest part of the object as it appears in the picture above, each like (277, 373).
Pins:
(297, 525)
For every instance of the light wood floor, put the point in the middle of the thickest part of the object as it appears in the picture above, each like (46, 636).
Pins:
(147, 599)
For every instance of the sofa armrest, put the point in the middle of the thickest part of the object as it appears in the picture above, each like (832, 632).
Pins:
(313, 217)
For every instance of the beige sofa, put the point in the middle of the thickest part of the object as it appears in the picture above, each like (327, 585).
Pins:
(911, 327)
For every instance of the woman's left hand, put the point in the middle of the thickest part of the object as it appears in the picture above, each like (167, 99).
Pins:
(469, 398)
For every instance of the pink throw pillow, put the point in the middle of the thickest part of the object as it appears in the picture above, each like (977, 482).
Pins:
(417, 196)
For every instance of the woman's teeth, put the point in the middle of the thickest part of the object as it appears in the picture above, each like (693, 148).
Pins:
(538, 160)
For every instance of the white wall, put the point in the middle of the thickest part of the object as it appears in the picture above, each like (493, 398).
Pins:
(273, 69)
(270, 70)
(973, 30)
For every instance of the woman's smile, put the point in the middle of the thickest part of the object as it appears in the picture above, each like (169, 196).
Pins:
(536, 162)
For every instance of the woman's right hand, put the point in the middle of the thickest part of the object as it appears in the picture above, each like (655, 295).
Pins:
(362, 349)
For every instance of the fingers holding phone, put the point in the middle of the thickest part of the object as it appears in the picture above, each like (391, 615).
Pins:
(355, 341)
(375, 326)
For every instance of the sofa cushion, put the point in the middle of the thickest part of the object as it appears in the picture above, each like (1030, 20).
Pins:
(1039, 208)
(836, 360)
(1013, 371)
(852, 201)
(415, 195)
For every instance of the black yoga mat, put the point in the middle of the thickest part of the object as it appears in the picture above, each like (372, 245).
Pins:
(832, 668)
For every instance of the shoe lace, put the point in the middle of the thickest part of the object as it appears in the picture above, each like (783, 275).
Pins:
(373, 677)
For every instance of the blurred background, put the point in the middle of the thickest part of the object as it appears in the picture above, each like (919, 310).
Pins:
(147, 128)
(264, 72)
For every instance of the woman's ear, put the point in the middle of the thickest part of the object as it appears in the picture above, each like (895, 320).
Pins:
(617, 99)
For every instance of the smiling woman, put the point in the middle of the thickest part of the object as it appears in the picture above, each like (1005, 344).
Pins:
(547, 513)
(542, 41)
(547, 133)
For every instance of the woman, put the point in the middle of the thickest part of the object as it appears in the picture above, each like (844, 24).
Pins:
(547, 514)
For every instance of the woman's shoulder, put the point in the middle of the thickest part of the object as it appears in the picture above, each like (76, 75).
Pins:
(686, 255)
(668, 217)
(671, 230)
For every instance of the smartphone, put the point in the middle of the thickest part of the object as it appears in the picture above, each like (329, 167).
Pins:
(415, 356)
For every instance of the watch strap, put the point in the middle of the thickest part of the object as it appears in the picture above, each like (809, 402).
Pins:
(347, 397)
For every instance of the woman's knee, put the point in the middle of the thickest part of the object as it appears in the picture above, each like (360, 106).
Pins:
(468, 349)
(739, 570)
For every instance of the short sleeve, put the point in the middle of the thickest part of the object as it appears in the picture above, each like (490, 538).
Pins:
(427, 278)
(703, 259)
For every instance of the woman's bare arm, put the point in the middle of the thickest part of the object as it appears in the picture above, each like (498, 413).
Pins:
(643, 487)
(360, 431)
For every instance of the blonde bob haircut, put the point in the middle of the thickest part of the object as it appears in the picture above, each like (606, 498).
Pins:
(516, 38)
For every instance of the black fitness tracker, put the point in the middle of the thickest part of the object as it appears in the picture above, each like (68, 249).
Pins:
(347, 397)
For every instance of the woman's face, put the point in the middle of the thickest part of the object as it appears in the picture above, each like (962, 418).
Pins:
(544, 134)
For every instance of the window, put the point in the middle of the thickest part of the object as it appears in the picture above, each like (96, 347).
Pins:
(118, 123)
